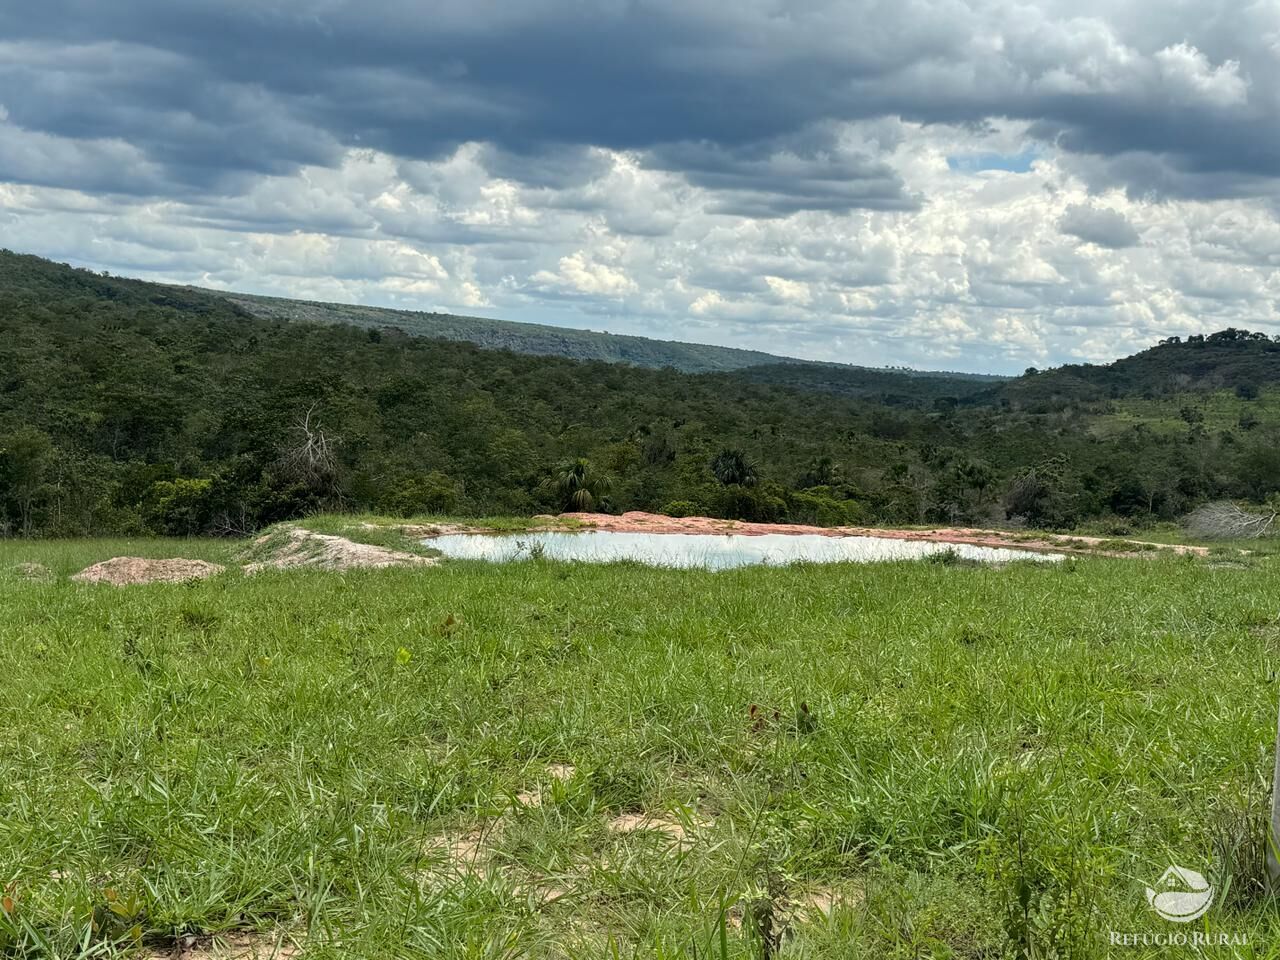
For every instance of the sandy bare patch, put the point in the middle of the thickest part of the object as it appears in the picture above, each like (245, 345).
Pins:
(542, 890)
(462, 852)
(824, 899)
(534, 796)
(230, 946)
(629, 823)
(776, 915)
(124, 571)
(295, 547)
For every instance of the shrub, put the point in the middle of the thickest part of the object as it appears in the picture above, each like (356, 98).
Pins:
(420, 493)
(680, 508)
(817, 506)
(179, 507)
(755, 504)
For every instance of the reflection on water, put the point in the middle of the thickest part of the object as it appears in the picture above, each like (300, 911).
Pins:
(711, 551)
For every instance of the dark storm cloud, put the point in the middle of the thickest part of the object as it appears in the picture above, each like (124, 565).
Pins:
(207, 91)
(546, 166)
(775, 179)
(1106, 228)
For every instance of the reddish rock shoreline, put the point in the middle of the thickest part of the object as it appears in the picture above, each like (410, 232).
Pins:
(639, 522)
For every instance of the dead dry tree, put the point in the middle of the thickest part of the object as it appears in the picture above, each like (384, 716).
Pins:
(235, 521)
(1224, 520)
(311, 455)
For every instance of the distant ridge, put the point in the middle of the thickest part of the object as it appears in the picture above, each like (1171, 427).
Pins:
(1229, 359)
(544, 340)
(530, 338)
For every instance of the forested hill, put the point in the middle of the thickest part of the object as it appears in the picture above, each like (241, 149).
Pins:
(128, 407)
(1231, 359)
(891, 386)
(531, 338)
(541, 340)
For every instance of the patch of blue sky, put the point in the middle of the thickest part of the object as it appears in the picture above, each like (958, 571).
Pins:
(976, 162)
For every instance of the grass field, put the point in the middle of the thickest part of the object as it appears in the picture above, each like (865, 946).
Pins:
(1219, 410)
(541, 760)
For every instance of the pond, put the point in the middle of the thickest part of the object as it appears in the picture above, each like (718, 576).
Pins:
(710, 551)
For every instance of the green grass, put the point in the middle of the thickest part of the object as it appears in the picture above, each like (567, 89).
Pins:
(978, 761)
(1221, 410)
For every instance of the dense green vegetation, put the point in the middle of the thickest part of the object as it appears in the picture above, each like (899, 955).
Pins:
(1232, 359)
(128, 407)
(966, 761)
(542, 340)
(531, 338)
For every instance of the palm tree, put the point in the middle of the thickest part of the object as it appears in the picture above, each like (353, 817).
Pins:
(578, 485)
(977, 475)
(822, 472)
(732, 466)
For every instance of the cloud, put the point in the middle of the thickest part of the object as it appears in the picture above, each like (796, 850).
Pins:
(1100, 225)
(982, 276)
(1187, 72)
(212, 89)
(777, 179)
(937, 182)
(578, 273)
(789, 291)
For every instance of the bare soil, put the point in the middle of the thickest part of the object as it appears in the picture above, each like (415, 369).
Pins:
(533, 796)
(126, 571)
(297, 547)
(635, 822)
(235, 946)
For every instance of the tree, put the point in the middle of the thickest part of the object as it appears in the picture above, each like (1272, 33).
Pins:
(976, 475)
(179, 507)
(732, 467)
(418, 493)
(1044, 495)
(311, 456)
(25, 458)
(578, 486)
(822, 472)
(1224, 520)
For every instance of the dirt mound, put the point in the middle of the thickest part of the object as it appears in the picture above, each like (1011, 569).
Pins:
(33, 571)
(295, 547)
(124, 571)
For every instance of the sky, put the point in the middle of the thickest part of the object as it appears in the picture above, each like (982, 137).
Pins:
(977, 185)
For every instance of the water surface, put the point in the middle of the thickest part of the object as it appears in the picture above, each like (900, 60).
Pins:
(708, 550)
